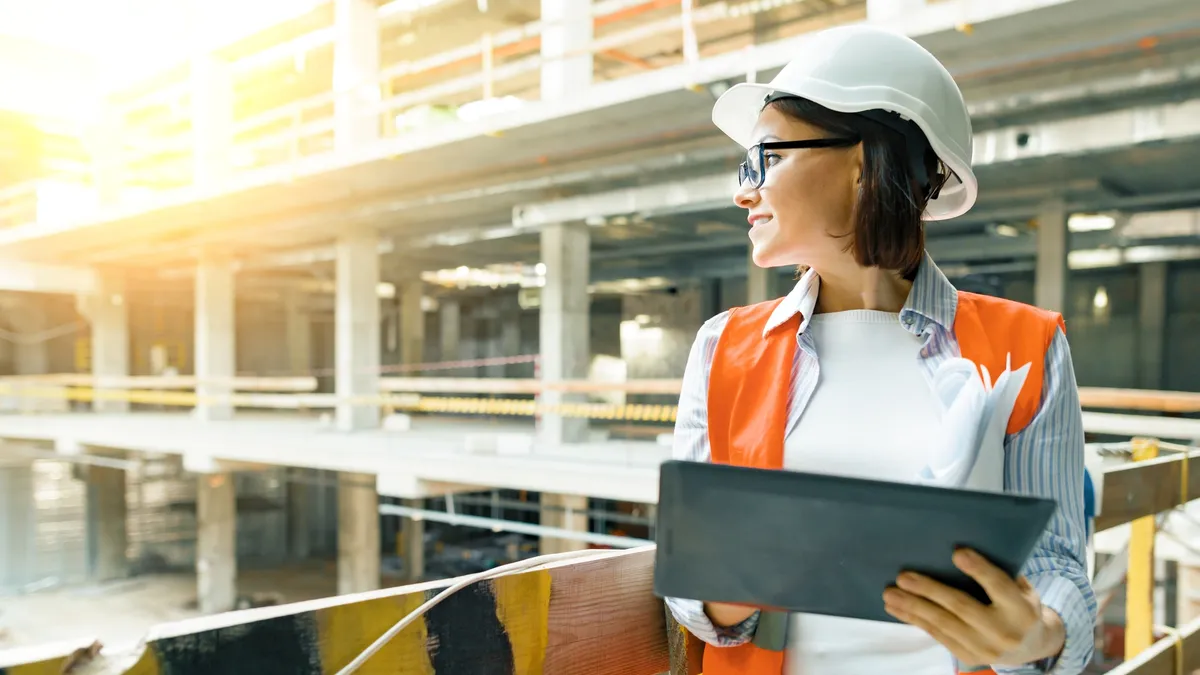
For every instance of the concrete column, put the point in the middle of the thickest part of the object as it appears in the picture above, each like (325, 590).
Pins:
(710, 298)
(1050, 275)
(108, 314)
(413, 544)
(759, 282)
(412, 322)
(18, 524)
(510, 332)
(568, 512)
(30, 358)
(299, 512)
(355, 73)
(358, 533)
(215, 338)
(568, 31)
(299, 334)
(357, 347)
(107, 535)
(1152, 324)
(565, 327)
(212, 120)
(216, 542)
(450, 333)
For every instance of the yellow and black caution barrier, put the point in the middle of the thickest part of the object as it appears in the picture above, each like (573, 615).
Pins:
(522, 407)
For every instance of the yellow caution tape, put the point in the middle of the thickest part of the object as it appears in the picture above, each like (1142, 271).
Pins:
(401, 402)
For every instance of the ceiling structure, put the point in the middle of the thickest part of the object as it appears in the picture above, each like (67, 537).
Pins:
(445, 197)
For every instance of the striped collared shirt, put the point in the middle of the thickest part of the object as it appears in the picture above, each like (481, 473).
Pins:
(1044, 459)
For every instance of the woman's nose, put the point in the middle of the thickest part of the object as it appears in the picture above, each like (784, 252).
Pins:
(745, 196)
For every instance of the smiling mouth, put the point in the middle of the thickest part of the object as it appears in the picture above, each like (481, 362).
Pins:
(760, 221)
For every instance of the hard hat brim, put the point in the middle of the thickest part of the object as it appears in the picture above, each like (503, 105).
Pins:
(736, 114)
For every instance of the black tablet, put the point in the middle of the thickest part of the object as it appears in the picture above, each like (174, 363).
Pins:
(825, 544)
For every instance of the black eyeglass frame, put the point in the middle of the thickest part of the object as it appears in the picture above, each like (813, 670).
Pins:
(744, 172)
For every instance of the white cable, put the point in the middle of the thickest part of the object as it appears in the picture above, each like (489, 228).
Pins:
(519, 566)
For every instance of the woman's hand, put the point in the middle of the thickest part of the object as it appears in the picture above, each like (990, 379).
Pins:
(724, 616)
(1014, 630)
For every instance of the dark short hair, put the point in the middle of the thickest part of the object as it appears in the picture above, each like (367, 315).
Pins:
(888, 231)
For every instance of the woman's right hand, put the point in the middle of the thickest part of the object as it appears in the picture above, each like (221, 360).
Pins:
(724, 616)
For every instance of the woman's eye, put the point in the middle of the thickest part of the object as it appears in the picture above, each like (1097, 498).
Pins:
(771, 158)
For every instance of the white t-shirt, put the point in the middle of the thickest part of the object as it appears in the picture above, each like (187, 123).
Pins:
(869, 417)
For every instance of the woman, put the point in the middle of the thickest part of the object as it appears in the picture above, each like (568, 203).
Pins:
(861, 137)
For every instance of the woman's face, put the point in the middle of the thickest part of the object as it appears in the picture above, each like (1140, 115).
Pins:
(807, 199)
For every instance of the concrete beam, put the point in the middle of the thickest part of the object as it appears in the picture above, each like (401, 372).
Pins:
(194, 462)
(34, 278)
(1073, 136)
(410, 486)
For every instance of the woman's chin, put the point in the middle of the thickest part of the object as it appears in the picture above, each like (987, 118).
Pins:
(764, 256)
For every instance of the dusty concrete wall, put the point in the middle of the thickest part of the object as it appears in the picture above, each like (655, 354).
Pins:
(657, 331)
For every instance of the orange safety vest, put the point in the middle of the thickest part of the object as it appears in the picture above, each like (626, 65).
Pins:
(748, 401)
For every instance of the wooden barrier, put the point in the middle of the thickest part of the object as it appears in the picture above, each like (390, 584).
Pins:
(596, 616)
(1139, 399)
(1176, 654)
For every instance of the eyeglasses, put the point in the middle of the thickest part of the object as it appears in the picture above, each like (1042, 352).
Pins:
(754, 169)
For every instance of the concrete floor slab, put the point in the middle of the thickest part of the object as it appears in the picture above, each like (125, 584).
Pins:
(434, 450)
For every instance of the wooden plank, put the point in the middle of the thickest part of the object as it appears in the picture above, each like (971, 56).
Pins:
(1139, 577)
(1167, 428)
(594, 616)
(1160, 658)
(1139, 399)
(1141, 489)
(47, 659)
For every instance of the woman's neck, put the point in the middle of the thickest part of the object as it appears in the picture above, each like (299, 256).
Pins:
(855, 287)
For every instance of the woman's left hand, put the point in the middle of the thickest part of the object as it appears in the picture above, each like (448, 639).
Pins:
(1014, 630)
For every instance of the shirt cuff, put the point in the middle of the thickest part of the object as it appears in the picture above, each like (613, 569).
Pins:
(1069, 601)
(691, 615)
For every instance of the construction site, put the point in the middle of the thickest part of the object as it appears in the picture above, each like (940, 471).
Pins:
(311, 312)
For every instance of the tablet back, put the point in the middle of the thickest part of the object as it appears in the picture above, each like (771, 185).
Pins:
(825, 544)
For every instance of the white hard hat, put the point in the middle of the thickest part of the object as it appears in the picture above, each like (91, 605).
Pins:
(857, 68)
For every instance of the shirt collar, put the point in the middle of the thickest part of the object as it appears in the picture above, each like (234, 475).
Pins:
(932, 298)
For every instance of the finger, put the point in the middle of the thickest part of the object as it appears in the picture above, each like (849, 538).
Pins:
(921, 611)
(1001, 588)
(959, 646)
(970, 610)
